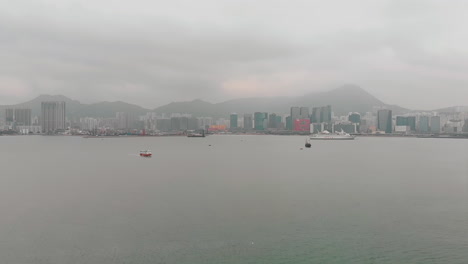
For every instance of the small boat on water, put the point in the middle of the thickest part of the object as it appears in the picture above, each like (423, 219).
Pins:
(307, 144)
(145, 153)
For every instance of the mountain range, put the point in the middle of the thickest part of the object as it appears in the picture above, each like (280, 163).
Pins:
(345, 99)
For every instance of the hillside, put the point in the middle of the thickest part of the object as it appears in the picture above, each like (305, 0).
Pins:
(345, 99)
(76, 109)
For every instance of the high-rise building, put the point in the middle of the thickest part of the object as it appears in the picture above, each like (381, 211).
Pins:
(52, 116)
(23, 117)
(321, 114)
(248, 122)
(9, 116)
(272, 121)
(354, 118)
(411, 120)
(384, 120)
(289, 123)
(299, 112)
(260, 120)
(304, 113)
(295, 112)
(18, 116)
(326, 114)
(183, 121)
(233, 121)
(125, 120)
(163, 124)
(435, 124)
(316, 113)
(279, 122)
(193, 123)
(423, 124)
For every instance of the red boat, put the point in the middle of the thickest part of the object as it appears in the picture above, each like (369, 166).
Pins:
(145, 153)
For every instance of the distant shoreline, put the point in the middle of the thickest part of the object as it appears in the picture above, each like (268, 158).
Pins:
(440, 136)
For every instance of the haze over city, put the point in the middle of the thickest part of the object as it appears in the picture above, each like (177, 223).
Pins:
(150, 53)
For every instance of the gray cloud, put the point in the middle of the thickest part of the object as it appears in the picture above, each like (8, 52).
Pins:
(154, 52)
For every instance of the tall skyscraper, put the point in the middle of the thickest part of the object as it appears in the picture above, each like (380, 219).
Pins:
(304, 113)
(326, 114)
(9, 115)
(423, 124)
(321, 114)
(295, 112)
(248, 122)
(18, 116)
(384, 120)
(163, 124)
(411, 120)
(316, 113)
(435, 124)
(260, 120)
(125, 120)
(272, 121)
(233, 120)
(299, 112)
(289, 123)
(193, 123)
(52, 116)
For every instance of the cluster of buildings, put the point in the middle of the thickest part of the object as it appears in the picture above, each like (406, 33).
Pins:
(51, 121)
(299, 120)
(380, 121)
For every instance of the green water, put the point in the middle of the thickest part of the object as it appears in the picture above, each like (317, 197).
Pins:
(244, 199)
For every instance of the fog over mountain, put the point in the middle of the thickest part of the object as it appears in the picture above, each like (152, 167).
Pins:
(149, 53)
(345, 99)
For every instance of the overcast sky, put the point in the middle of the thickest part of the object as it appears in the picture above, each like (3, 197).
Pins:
(408, 52)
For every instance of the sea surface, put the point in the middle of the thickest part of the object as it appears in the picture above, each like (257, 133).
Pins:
(232, 199)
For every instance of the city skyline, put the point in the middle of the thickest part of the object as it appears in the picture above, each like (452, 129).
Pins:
(347, 90)
(300, 120)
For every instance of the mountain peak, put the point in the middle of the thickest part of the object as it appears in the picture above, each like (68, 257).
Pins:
(350, 88)
(55, 97)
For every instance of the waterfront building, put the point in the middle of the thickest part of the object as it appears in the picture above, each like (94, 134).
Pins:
(289, 123)
(248, 122)
(326, 114)
(18, 116)
(233, 121)
(435, 124)
(304, 113)
(423, 124)
(321, 114)
(384, 121)
(295, 112)
(260, 120)
(274, 122)
(52, 116)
